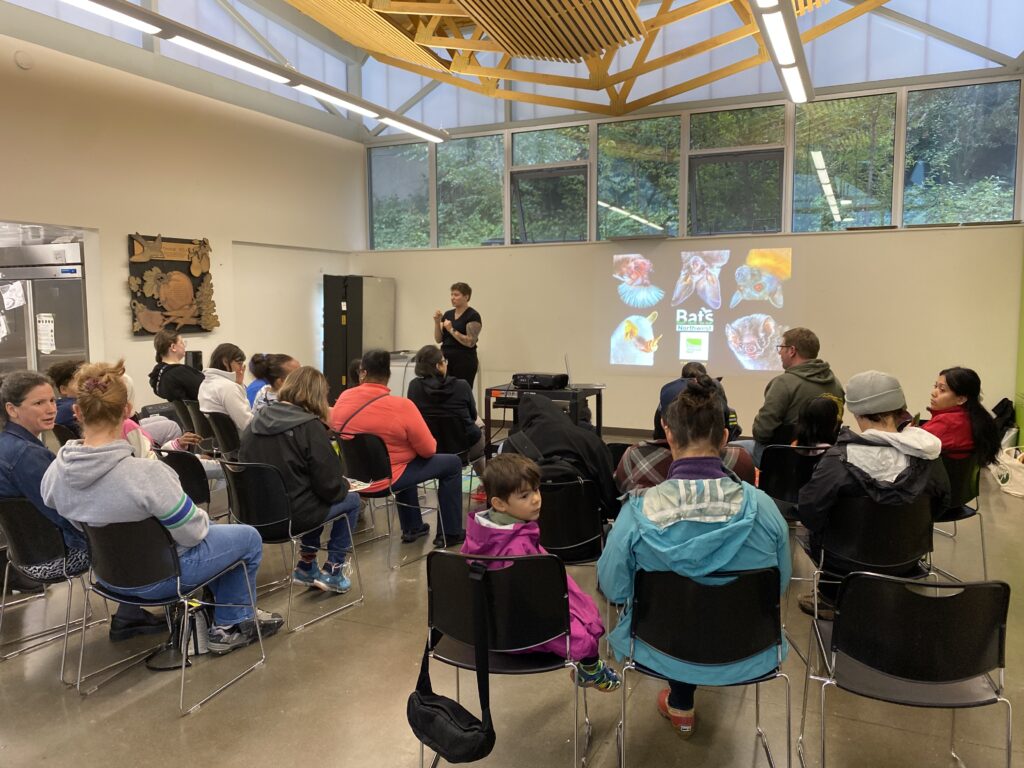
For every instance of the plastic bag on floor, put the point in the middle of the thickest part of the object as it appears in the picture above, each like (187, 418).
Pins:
(1008, 470)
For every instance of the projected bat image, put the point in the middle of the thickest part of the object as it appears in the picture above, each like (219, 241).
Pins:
(761, 278)
(753, 339)
(700, 273)
(633, 272)
(633, 342)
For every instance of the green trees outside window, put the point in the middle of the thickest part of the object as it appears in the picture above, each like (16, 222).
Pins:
(470, 178)
(399, 197)
(553, 145)
(961, 153)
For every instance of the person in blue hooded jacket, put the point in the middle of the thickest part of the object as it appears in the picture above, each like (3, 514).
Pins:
(701, 520)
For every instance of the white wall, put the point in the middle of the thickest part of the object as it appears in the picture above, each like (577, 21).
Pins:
(909, 302)
(92, 147)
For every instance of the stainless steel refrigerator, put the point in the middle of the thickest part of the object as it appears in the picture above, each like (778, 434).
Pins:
(359, 314)
(42, 316)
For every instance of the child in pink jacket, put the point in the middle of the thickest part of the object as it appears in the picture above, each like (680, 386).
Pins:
(509, 527)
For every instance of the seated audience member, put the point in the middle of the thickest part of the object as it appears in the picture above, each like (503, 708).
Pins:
(959, 420)
(699, 521)
(670, 391)
(804, 377)
(160, 430)
(29, 409)
(646, 464)
(291, 434)
(819, 422)
(271, 371)
(63, 377)
(880, 463)
(435, 393)
(371, 408)
(547, 435)
(221, 390)
(170, 379)
(509, 527)
(97, 481)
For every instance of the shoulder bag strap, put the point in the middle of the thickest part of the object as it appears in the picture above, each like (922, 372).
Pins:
(478, 573)
(341, 429)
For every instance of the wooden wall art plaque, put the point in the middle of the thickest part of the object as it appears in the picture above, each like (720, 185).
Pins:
(170, 284)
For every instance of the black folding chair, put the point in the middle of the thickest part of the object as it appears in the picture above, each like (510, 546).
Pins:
(571, 524)
(259, 498)
(169, 411)
(450, 434)
(136, 554)
(528, 604)
(785, 469)
(964, 484)
(33, 540)
(201, 426)
(190, 473)
(731, 617)
(899, 641)
(184, 416)
(63, 434)
(226, 434)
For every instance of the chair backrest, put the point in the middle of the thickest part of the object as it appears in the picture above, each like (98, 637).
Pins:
(528, 599)
(31, 538)
(184, 417)
(190, 473)
(931, 633)
(734, 617)
(259, 498)
(785, 469)
(168, 411)
(964, 479)
(366, 457)
(200, 423)
(225, 432)
(449, 432)
(132, 554)
(570, 518)
(62, 433)
(879, 535)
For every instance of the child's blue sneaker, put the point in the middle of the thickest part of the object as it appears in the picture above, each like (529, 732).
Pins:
(599, 675)
(306, 576)
(332, 579)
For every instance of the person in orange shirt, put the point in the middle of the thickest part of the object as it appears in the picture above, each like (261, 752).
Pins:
(371, 408)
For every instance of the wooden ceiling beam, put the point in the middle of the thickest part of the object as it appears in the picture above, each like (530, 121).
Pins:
(458, 43)
(521, 76)
(418, 9)
(685, 53)
(696, 82)
(699, 6)
(641, 55)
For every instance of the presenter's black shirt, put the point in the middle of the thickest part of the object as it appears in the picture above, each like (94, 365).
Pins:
(449, 344)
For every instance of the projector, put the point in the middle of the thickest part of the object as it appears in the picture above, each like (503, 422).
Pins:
(540, 380)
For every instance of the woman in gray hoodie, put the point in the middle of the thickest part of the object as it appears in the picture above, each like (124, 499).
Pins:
(97, 480)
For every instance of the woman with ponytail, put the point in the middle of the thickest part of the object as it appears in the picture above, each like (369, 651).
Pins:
(701, 520)
(97, 480)
(959, 420)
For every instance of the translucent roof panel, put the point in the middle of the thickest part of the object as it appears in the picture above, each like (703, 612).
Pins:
(450, 107)
(995, 24)
(84, 19)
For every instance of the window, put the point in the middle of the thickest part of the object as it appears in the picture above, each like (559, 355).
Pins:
(556, 145)
(638, 178)
(843, 163)
(738, 190)
(961, 153)
(469, 192)
(549, 205)
(399, 197)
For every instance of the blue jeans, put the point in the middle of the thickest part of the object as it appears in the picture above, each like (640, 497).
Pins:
(447, 469)
(340, 542)
(223, 545)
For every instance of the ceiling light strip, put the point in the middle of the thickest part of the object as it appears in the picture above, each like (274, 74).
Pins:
(780, 34)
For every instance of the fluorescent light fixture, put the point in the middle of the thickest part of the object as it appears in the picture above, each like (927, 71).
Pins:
(794, 84)
(778, 38)
(409, 129)
(213, 53)
(633, 216)
(111, 15)
(822, 176)
(335, 100)
(827, 188)
(818, 159)
(837, 218)
(766, 5)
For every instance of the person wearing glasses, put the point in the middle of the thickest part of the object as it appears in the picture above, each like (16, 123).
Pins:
(804, 377)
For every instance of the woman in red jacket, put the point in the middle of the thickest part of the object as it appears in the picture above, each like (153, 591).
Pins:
(959, 420)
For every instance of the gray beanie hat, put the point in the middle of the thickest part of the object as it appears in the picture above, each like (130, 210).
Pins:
(874, 392)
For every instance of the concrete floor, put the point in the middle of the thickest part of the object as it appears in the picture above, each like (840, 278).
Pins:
(335, 692)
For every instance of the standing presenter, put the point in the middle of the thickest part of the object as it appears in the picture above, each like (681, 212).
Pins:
(457, 331)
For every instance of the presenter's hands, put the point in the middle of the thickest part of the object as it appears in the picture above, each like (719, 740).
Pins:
(447, 325)
(438, 315)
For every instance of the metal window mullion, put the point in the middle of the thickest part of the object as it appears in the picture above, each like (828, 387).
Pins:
(432, 192)
(369, 199)
(729, 149)
(899, 156)
(684, 174)
(593, 235)
(507, 187)
(542, 166)
(788, 168)
(1018, 196)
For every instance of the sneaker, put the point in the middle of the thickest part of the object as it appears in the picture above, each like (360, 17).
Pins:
(416, 533)
(826, 611)
(449, 540)
(306, 576)
(332, 579)
(682, 720)
(602, 676)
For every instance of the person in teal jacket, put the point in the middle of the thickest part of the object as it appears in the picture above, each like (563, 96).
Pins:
(701, 520)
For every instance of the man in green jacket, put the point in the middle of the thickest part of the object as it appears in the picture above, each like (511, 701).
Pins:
(804, 377)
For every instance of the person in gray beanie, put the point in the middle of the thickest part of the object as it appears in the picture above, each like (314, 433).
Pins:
(881, 462)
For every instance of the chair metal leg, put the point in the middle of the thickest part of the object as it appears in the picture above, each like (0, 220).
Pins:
(622, 718)
(824, 688)
(350, 604)
(984, 556)
(760, 731)
(1009, 730)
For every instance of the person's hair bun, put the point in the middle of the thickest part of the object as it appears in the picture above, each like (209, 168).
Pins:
(701, 389)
